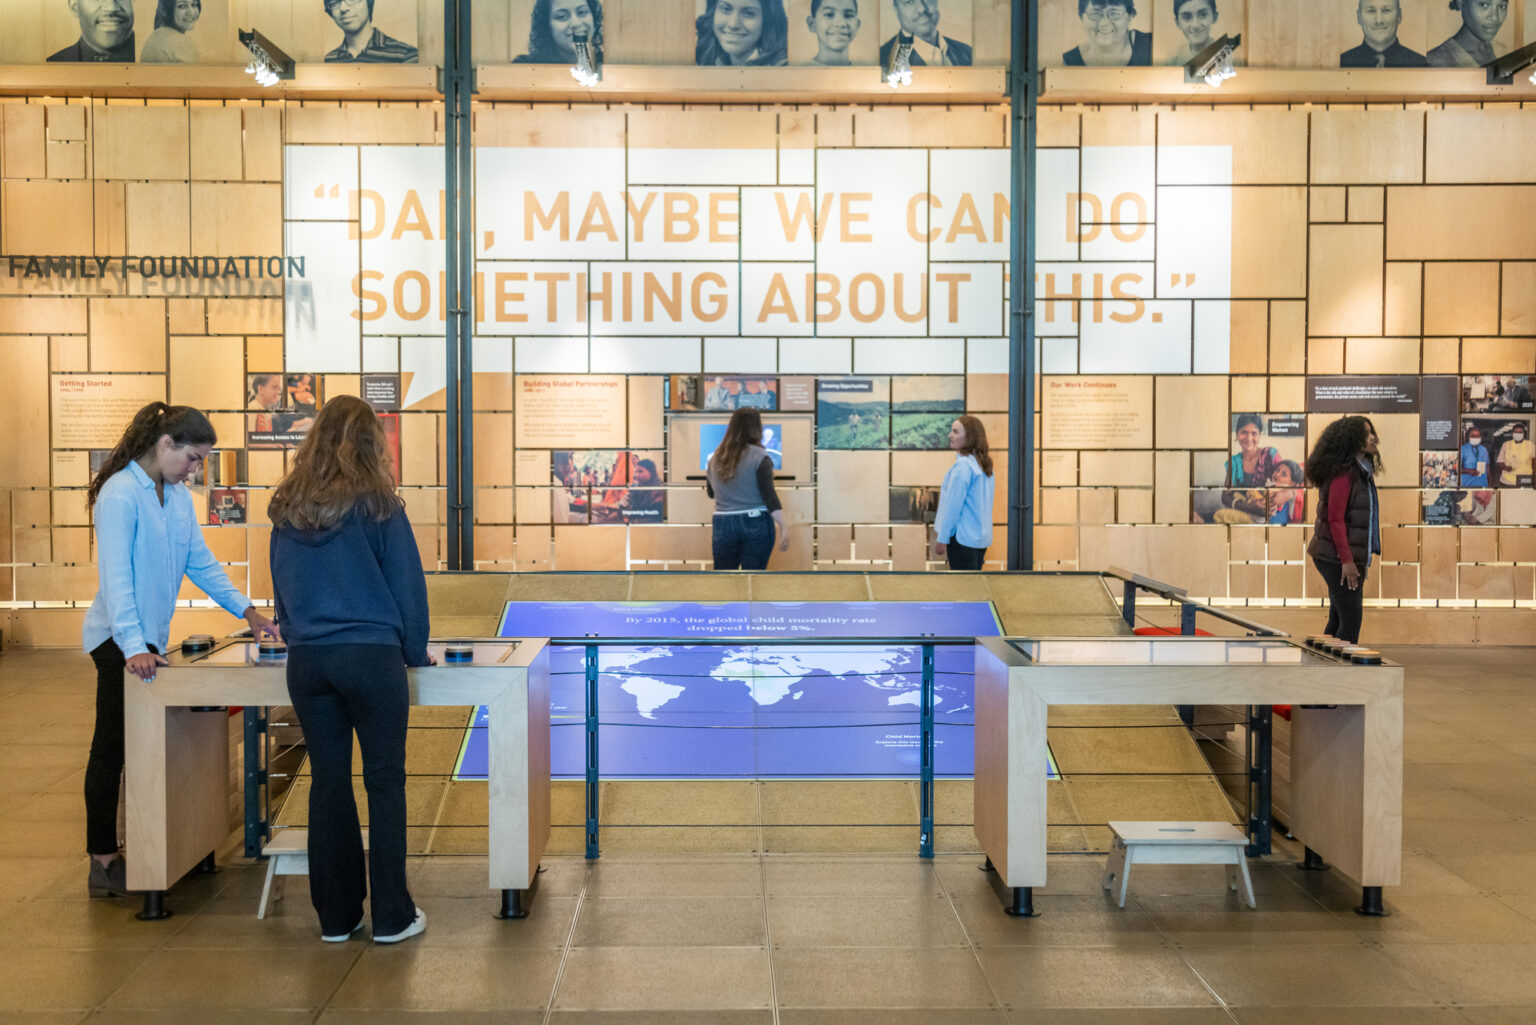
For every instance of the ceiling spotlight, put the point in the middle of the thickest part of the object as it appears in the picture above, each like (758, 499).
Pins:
(898, 72)
(1502, 70)
(268, 63)
(585, 70)
(1213, 65)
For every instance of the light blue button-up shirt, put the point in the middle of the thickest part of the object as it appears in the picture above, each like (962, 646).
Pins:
(143, 549)
(965, 505)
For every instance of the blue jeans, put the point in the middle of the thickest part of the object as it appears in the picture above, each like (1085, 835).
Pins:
(743, 541)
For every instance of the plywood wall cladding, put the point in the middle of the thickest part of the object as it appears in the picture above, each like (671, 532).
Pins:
(1196, 268)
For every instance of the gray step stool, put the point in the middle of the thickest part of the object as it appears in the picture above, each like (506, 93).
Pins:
(1178, 843)
(287, 854)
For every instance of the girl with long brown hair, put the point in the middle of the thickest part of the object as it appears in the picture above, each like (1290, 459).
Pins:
(962, 528)
(740, 480)
(352, 600)
(147, 540)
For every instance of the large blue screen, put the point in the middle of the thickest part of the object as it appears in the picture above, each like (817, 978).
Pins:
(745, 710)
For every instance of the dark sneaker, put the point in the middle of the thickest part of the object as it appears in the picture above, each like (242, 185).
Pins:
(110, 880)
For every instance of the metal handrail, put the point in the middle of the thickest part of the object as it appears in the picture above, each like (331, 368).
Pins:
(1189, 607)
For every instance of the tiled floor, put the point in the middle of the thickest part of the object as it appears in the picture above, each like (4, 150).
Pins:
(809, 940)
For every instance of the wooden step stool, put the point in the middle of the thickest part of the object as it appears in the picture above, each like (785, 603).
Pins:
(1178, 843)
(287, 854)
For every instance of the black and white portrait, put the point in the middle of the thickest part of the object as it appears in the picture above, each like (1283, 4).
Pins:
(1108, 36)
(832, 33)
(174, 40)
(744, 32)
(1379, 47)
(361, 42)
(937, 38)
(555, 25)
(106, 32)
(1474, 42)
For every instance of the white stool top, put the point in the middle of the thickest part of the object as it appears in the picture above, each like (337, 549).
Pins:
(1179, 833)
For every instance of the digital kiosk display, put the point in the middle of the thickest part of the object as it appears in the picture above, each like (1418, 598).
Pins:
(711, 435)
(743, 710)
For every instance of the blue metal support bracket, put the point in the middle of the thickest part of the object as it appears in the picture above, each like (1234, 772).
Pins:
(593, 852)
(257, 828)
(1261, 722)
(925, 786)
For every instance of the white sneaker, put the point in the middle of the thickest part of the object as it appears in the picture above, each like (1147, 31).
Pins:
(342, 937)
(415, 928)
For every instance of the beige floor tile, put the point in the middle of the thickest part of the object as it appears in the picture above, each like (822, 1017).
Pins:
(627, 840)
(838, 802)
(385, 1016)
(1065, 921)
(675, 803)
(1497, 1015)
(414, 977)
(1461, 919)
(893, 1016)
(1358, 1016)
(826, 921)
(43, 1017)
(1208, 921)
(199, 1016)
(1502, 874)
(242, 978)
(657, 978)
(676, 877)
(1092, 977)
(58, 980)
(879, 977)
(84, 925)
(1471, 973)
(1330, 976)
(840, 839)
(671, 922)
(673, 1017)
(850, 877)
(26, 877)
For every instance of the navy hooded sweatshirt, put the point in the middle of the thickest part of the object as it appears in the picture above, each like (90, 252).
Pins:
(358, 582)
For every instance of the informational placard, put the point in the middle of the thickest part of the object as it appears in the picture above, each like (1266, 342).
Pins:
(1096, 412)
(91, 410)
(382, 392)
(749, 619)
(570, 410)
(1360, 393)
(1438, 410)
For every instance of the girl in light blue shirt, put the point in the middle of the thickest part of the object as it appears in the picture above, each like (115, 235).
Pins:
(962, 528)
(147, 539)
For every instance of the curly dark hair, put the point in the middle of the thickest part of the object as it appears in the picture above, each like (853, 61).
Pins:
(542, 48)
(1341, 444)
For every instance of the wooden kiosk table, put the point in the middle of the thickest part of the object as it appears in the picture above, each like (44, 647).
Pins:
(177, 758)
(1346, 738)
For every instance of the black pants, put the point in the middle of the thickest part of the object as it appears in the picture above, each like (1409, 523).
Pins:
(336, 689)
(1346, 606)
(741, 541)
(962, 556)
(104, 767)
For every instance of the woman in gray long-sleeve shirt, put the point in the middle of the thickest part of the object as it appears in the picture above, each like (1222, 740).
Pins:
(740, 480)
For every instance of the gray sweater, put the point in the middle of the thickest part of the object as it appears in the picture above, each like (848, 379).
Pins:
(750, 488)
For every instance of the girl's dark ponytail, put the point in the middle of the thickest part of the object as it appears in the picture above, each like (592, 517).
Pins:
(185, 425)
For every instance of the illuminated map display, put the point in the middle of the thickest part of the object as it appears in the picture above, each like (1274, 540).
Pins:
(744, 710)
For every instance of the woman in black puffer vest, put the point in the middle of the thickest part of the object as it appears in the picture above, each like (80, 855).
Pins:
(1343, 466)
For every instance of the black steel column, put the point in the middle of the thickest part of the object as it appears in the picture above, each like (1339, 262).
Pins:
(457, 87)
(1023, 82)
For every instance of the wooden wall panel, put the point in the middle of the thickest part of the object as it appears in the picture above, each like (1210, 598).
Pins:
(1442, 355)
(127, 334)
(245, 317)
(141, 142)
(1057, 127)
(360, 123)
(1517, 309)
(703, 129)
(1461, 298)
(208, 373)
(645, 32)
(1381, 356)
(238, 217)
(1191, 412)
(1403, 313)
(110, 218)
(23, 140)
(883, 127)
(1287, 337)
(1472, 144)
(991, 31)
(1269, 239)
(158, 218)
(1498, 355)
(853, 487)
(1345, 280)
(1461, 222)
(1327, 204)
(263, 143)
(24, 460)
(46, 217)
(1250, 337)
(1195, 556)
(1367, 204)
(1367, 146)
(216, 140)
(576, 128)
(1269, 147)
(1170, 499)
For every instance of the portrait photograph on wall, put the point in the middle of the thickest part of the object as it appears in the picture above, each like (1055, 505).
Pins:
(748, 33)
(1496, 393)
(1378, 43)
(136, 31)
(1478, 508)
(1503, 447)
(1469, 33)
(834, 33)
(1097, 33)
(371, 32)
(608, 486)
(1185, 27)
(280, 408)
(1263, 479)
(226, 506)
(940, 30)
(1438, 470)
(545, 31)
(853, 412)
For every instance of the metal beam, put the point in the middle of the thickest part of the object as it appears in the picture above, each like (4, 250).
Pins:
(457, 87)
(1023, 89)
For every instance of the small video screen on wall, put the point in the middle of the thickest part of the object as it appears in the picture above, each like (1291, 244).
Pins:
(711, 435)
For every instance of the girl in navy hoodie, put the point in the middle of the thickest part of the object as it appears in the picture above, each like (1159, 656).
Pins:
(352, 602)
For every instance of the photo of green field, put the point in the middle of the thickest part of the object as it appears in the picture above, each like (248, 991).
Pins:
(921, 430)
(853, 412)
